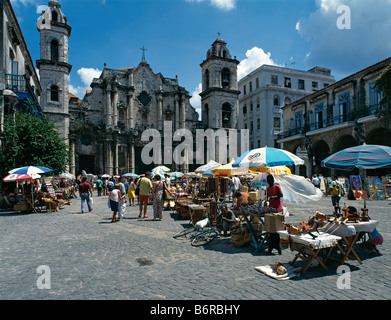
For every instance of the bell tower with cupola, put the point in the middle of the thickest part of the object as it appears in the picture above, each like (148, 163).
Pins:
(53, 65)
(220, 95)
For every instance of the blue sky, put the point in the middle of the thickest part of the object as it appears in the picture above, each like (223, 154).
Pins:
(177, 34)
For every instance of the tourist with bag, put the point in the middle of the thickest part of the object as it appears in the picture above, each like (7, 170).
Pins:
(336, 191)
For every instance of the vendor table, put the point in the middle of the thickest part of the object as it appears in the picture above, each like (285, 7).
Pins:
(350, 232)
(197, 213)
(309, 248)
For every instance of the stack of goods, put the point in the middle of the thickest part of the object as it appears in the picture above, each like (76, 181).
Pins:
(260, 210)
(240, 235)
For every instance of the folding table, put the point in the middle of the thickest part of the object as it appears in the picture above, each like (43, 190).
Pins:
(350, 232)
(309, 248)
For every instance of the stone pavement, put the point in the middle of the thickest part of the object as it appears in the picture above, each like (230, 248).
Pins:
(91, 258)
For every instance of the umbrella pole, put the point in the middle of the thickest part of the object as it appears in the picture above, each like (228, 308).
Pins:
(365, 194)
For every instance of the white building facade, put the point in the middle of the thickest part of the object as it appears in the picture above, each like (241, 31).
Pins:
(268, 88)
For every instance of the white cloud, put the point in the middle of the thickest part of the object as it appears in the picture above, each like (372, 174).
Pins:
(347, 50)
(41, 8)
(195, 99)
(86, 75)
(256, 57)
(220, 4)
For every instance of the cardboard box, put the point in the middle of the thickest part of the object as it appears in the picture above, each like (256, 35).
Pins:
(254, 195)
(274, 222)
(244, 189)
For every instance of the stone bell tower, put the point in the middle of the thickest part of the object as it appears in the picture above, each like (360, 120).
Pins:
(220, 95)
(53, 66)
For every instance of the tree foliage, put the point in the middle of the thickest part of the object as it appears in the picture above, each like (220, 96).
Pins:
(31, 141)
(383, 84)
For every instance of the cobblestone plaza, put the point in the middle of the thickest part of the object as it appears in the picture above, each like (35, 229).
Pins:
(138, 259)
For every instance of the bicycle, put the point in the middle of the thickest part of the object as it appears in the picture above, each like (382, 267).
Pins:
(202, 232)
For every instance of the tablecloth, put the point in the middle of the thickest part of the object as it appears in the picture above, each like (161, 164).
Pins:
(323, 240)
(350, 228)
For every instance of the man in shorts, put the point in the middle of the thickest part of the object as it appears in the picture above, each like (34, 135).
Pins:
(145, 186)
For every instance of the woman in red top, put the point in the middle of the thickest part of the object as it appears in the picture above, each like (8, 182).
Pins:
(274, 194)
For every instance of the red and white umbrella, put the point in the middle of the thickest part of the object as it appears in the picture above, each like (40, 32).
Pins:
(20, 177)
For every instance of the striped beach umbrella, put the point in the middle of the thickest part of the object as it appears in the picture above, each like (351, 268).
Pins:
(366, 156)
(267, 157)
(363, 157)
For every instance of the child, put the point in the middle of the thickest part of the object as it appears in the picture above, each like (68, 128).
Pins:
(115, 197)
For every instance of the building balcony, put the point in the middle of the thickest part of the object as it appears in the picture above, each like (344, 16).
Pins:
(20, 85)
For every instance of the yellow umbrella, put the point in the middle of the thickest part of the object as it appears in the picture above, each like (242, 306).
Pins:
(228, 170)
(278, 170)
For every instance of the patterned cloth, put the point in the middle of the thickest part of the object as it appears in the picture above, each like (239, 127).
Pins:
(158, 202)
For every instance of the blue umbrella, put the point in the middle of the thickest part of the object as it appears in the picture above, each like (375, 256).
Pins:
(362, 157)
(208, 173)
(130, 175)
(30, 170)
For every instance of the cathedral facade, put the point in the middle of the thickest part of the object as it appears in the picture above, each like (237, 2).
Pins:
(109, 121)
(104, 129)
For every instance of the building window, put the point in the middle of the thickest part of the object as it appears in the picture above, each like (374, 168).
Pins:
(54, 16)
(257, 83)
(301, 85)
(287, 82)
(251, 86)
(251, 106)
(258, 123)
(274, 79)
(258, 104)
(54, 93)
(259, 143)
(374, 97)
(244, 90)
(287, 100)
(314, 85)
(206, 79)
(276, 100)
(277, 122)
(319, 115)
(54, 50)
(343, 107)
(244, 109)
(226, 113)
(225, 78)
(299, 121)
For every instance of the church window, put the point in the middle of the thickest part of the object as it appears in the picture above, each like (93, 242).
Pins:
(54, 16)
(274, 79)
(225, 77)
(226, 113)
(54, 50)
(206, 79)
(54, 93)
(144, 98)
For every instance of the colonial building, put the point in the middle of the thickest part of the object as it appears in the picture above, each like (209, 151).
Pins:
(334, 118)
(19, 82)
(108, 123)
(266, 90)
